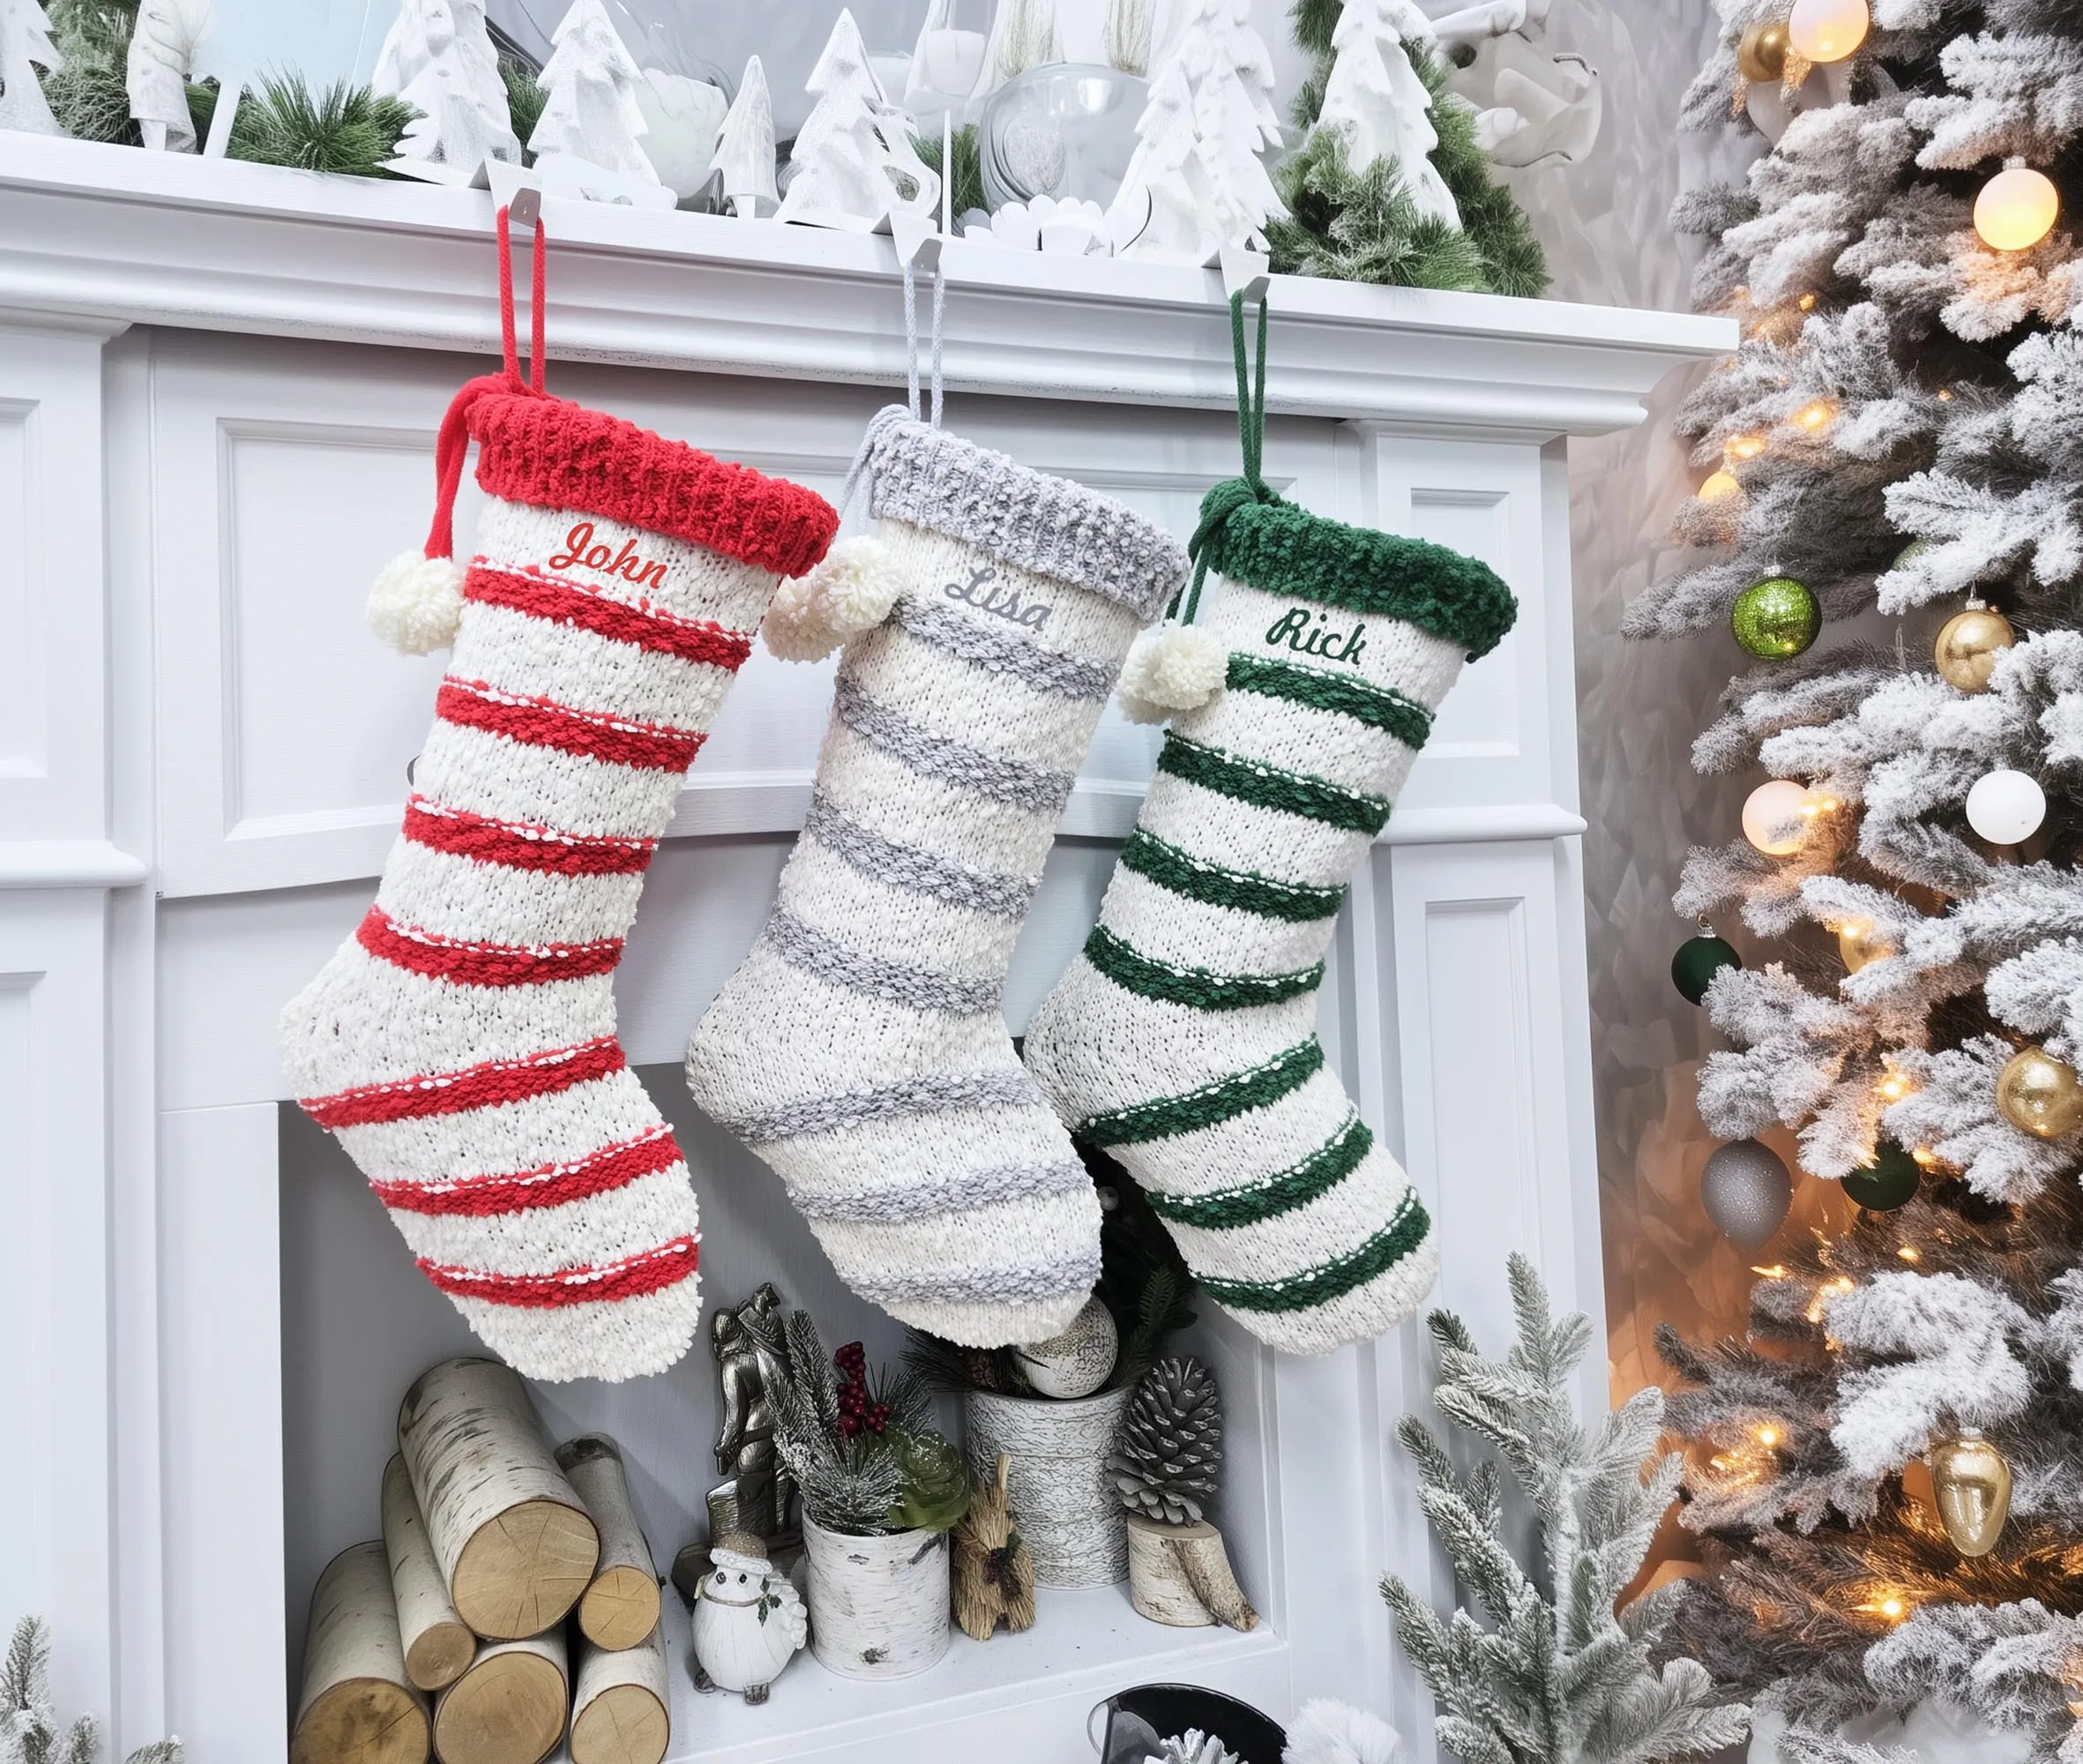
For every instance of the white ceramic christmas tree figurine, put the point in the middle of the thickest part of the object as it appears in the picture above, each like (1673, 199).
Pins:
(1195, 183)
(593, 114)
(1374, 94)
(26, 46)
(852, 163)
(745, 149)
(162, 44)
(438, 57)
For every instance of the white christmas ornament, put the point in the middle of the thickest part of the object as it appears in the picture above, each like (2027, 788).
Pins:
(438, 57)
(1328, 1733)
(852, 164)
(163, 47)
(746, 148)
(592, 115)
(1776, 816)
(1195, 183)
(2006, 806)
(1375, 98)
(26, 46)
(1080, 1360)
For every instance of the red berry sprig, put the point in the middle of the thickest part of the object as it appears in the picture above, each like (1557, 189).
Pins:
(857, 1414)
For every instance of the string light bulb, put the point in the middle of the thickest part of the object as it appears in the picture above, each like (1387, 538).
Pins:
(1827, 30)
(1740, 447)
(1719, 487)
(1816, 416)
(2017, 208)
(1768, 1437)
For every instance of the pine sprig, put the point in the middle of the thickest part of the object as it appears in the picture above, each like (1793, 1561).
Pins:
(347, 130)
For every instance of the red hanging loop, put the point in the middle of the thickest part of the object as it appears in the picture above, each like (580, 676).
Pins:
(452, 446)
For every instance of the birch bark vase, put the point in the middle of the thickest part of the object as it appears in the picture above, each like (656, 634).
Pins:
(1068, 1514)
(879, 1606)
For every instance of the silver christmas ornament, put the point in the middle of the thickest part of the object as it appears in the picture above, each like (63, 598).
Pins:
(1746, 1189)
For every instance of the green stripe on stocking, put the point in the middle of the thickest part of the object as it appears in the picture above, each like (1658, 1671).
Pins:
(1269, 787)
(1195, 879)
(1201, 988)
(1228, 1209)
(1334, 1279)
(1164, 1117)
(1381, 708)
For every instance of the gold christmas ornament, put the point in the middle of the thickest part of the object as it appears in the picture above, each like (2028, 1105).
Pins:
(1761, 52)
(2017, 208)
(1860, 941)
(2039, 1093)
(1973, 1485)
(1827, 30)
(1968, 643)
(1719, 487)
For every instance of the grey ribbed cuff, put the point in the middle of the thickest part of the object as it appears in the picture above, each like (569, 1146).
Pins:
(1026, 519)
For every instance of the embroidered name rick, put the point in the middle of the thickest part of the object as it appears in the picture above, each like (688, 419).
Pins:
(1293, 629)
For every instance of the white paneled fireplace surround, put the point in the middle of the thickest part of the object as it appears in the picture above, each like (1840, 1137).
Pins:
(218, 388)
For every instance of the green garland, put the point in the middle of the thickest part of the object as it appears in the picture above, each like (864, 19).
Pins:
(1364, 226)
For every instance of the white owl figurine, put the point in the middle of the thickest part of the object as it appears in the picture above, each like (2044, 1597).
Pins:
(748, 1621)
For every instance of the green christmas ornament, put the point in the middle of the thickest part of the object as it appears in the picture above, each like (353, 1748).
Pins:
(1699, 959)
(1776, 618)
(1890, 1181)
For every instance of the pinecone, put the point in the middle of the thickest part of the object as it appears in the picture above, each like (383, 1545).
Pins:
(1169, 1448)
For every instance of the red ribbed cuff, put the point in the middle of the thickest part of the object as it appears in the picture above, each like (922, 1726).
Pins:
(553, 453)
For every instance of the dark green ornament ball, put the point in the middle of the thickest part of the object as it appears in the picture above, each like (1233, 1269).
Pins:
(1776, 618)
(1890, 1181)
(1698, 961)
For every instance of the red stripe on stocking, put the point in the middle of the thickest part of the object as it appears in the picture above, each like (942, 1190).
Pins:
(519, 846)
(551, 1185)
(647, 627)
(483, 964)
(645, 1272)
(543, 723)
(475, 1087)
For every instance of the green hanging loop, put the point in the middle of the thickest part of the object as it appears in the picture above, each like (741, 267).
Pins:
(1225, 498)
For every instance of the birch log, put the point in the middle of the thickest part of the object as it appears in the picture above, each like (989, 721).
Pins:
(438, 1644)
(509, 1707)
(356, 1705)
(511, 1537)
(620, 1608)
(619, 1704)
(1180, 1574)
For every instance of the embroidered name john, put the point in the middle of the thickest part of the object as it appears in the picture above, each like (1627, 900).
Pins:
(580, 552)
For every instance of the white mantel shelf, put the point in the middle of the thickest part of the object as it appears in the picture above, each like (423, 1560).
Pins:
(119, 234)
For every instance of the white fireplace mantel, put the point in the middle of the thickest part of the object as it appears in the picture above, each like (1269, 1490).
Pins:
(218, 385)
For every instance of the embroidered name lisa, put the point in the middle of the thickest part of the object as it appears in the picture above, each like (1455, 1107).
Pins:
(1292, 628)
(985, 592)
(580, 552)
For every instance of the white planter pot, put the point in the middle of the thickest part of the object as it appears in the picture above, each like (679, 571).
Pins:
(878, 1605)
(1073, 1526)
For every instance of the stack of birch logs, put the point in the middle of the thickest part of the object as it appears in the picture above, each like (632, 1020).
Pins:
(511, 1598)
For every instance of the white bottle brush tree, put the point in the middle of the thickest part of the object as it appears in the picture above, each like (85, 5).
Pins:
(1375, 97)
(1195, 182)
(29, 1729)
(1550, 1673)
(26, 46)
(591, 112)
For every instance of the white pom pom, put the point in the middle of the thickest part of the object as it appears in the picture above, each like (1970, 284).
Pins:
(1172, 669)
(1328, 1733)
(851, 591)
(417, 602)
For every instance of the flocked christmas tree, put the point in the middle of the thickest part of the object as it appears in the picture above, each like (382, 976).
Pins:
(1558, 1669)
(26, 46)
(1195, 182)
(1888, 1472)
(1389, 184)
